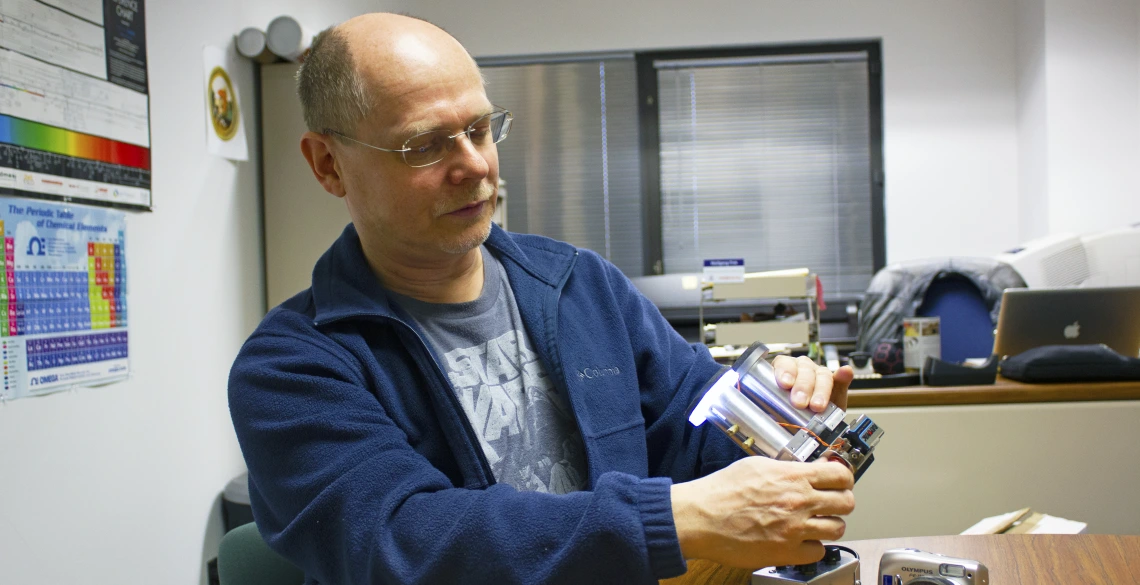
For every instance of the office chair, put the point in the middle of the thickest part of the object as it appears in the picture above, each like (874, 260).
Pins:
(966, 325)
(245, 559)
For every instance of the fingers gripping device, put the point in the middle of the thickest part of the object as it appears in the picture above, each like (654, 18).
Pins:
(747, 404)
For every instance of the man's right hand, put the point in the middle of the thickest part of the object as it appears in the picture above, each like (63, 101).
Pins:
(758, 512)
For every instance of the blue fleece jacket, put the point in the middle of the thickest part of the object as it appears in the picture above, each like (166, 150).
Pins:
(363, 468)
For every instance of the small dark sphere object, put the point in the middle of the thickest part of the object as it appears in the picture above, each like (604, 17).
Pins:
(887, 358)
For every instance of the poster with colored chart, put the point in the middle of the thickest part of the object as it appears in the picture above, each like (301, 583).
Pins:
(74, 104)
(63, 301)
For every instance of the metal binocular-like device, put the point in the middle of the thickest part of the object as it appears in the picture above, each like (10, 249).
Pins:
(747, 404)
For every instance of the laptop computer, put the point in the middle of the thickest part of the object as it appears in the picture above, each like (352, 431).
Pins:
(1032, 317)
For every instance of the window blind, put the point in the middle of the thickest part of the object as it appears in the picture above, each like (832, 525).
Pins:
(768, 158)
(571, 162)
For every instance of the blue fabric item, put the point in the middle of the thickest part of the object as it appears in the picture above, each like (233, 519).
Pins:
(966, 326)
(364, 469)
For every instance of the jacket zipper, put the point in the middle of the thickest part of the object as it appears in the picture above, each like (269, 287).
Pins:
(448, 392)
(556, 361)
(472, 438)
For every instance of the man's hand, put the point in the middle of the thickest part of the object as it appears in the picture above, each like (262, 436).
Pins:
(808, 380)
(758, 512)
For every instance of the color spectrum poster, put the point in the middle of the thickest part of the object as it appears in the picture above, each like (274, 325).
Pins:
(74, 106)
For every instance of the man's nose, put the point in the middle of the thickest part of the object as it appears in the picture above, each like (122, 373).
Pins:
(467, 161)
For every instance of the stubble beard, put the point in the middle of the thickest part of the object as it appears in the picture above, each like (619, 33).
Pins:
(466, 243)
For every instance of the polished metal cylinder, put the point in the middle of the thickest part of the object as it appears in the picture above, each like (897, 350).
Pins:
(770, 438)
(758, 382)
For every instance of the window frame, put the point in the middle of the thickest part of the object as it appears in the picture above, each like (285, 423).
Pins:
(649, 124)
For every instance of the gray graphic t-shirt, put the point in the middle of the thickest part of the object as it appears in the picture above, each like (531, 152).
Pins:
(524, 423)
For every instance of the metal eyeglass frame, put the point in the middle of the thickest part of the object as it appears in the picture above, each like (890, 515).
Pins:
(508, 120)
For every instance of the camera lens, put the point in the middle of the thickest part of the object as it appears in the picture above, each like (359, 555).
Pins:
(930, 581)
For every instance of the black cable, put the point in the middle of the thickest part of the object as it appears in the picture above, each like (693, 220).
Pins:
(853, 553)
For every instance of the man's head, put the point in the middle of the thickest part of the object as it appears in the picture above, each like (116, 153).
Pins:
(381, 79)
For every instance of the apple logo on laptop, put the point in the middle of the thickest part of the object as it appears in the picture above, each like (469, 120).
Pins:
(1073, 331)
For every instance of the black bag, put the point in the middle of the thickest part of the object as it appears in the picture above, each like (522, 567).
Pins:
(1071, 363)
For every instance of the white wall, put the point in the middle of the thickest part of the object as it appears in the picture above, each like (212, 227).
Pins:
(950, 88)
(1033, 151)
(119, 485)
(1079, 106)
(1093, 112)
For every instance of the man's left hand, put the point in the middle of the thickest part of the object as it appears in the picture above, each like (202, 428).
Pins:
(813, 384)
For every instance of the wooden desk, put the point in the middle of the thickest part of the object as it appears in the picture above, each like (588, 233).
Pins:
(1003, 392)
(1020, 559)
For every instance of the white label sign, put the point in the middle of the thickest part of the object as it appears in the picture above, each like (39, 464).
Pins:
(719, 270)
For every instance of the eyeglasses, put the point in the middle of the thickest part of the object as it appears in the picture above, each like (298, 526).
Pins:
(428, 148)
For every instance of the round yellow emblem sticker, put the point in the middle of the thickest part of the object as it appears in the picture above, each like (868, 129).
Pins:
(223, 104)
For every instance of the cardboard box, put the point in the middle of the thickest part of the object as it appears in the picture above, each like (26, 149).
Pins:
(1026, 521)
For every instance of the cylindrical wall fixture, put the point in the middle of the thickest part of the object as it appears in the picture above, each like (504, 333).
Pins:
(287, 39)
(250, 43)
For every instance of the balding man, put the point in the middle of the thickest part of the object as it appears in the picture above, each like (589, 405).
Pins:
(453, 403)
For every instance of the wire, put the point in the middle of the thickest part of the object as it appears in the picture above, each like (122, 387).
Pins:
(836, 445)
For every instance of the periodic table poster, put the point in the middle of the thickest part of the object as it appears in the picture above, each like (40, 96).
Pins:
(63, 293)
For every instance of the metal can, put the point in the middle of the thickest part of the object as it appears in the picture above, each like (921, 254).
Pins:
(922, 338)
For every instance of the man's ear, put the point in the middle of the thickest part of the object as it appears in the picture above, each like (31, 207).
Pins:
(317, 149)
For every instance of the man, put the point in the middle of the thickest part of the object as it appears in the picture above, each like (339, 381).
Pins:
(452, 403)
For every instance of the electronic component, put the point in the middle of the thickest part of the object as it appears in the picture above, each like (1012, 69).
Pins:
(747, 404)
(839, 566)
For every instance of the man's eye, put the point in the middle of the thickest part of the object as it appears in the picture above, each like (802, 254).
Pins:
(426, 144)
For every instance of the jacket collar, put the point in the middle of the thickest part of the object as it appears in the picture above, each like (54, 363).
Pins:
(344, 286)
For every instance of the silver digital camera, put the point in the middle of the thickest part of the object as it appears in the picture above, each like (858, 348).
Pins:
(910, 566)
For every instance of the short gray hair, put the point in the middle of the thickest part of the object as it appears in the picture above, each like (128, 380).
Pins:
(333, 95)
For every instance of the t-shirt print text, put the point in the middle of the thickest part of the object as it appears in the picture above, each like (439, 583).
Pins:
(520, 418)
